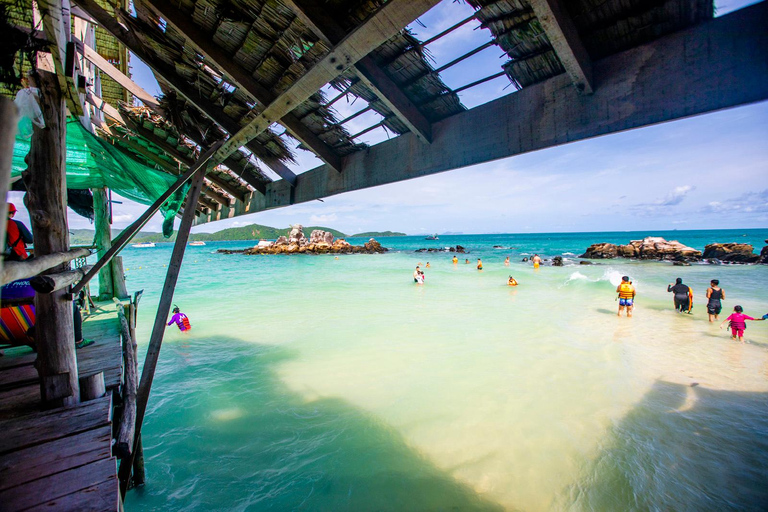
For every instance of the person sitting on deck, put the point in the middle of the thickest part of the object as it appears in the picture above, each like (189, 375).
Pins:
(182, 321)
(17, 236)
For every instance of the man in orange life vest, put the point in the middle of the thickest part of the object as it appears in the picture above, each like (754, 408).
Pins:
(17, 237)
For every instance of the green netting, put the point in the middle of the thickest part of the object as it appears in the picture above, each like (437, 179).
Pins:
(94, 163)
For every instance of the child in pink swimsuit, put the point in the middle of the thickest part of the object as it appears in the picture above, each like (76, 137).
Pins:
(738, 323)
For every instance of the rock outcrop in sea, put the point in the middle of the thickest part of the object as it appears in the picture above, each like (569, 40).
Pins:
(458, 249)
(732, 253)
(650, 248)
(319, 242)
(656, 248)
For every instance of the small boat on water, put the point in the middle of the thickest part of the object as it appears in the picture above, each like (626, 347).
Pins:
(145, 244)
(432, 237)
(197, 243)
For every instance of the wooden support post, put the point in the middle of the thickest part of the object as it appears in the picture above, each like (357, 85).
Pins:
(8, 118)
(125, 434)
(103, 240)
(158, 330)
(53, 282)
(138, 464)
(118, 278)
(15, 270)
(46, 191)
(92, 387)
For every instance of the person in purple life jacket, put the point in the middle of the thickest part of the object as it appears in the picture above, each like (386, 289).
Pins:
(182, 321)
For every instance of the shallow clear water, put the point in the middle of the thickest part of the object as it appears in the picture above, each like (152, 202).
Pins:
(315, 383)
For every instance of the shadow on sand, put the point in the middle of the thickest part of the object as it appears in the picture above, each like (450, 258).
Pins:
(224, 433)
(682, 448)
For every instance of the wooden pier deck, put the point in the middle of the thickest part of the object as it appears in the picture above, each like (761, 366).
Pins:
(60, 459)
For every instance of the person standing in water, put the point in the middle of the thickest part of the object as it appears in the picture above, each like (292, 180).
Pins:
(683, 296)
(738, 322)
(418, 275)
(479, 264)
(455, 260)
(626, 296)
(536, 260)
(181, 320)
(714, 295)
(506, 262)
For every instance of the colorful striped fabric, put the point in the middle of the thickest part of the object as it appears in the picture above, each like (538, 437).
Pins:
(15, 321)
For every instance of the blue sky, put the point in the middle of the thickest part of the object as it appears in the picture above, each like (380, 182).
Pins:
(704, 172)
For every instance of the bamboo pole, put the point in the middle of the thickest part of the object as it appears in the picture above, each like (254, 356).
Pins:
(125, 433)
(53, 282)
(103, 240)
(158, 330)
(8, 118)
(46, 192)
(122, 240)
(15, 270)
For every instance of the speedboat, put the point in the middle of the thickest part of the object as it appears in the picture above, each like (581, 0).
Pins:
(145, 244)
(432, 237)
(197, 243)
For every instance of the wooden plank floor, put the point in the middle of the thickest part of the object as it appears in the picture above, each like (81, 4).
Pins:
(60, 459)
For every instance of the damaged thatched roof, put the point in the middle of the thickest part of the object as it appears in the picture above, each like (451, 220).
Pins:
(605, 27)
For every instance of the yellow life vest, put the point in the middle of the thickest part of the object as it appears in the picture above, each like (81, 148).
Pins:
(626, 291)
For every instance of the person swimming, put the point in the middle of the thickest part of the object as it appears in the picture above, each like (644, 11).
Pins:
(181, 320)
(466, 261)
(512, 281)
(428, 265)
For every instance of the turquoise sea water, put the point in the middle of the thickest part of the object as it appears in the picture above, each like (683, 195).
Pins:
(315, 383)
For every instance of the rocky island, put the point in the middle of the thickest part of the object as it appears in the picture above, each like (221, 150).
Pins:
(657, 248)
(319, 242)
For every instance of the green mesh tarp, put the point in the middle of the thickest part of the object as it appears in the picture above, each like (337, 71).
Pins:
(94, 163)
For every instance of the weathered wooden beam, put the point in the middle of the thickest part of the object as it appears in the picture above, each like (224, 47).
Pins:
(180, 85)
(227, 187)
(125, 433)
(122, 240)
(715, 65)
(92, 387)
(52, 282)
(219, 198)
(46, 182)
(58, 30)
(242, 78)
(565, 40)
(9, 116)
(208, 203)
(105, 107)
(318, 19)
(15, 270)
(378, 28)
(118, 76)
(158, 329)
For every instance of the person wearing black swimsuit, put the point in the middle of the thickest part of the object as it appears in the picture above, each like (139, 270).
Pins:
(715, 294)
(682, 295)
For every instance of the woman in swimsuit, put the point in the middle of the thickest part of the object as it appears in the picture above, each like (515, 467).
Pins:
(714, 295)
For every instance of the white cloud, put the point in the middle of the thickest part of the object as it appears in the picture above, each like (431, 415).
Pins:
(323, 218)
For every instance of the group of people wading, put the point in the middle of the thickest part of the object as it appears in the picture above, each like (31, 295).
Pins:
(683, 300)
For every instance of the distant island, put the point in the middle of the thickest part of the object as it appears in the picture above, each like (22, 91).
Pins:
(249, 232)
(377, 234)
